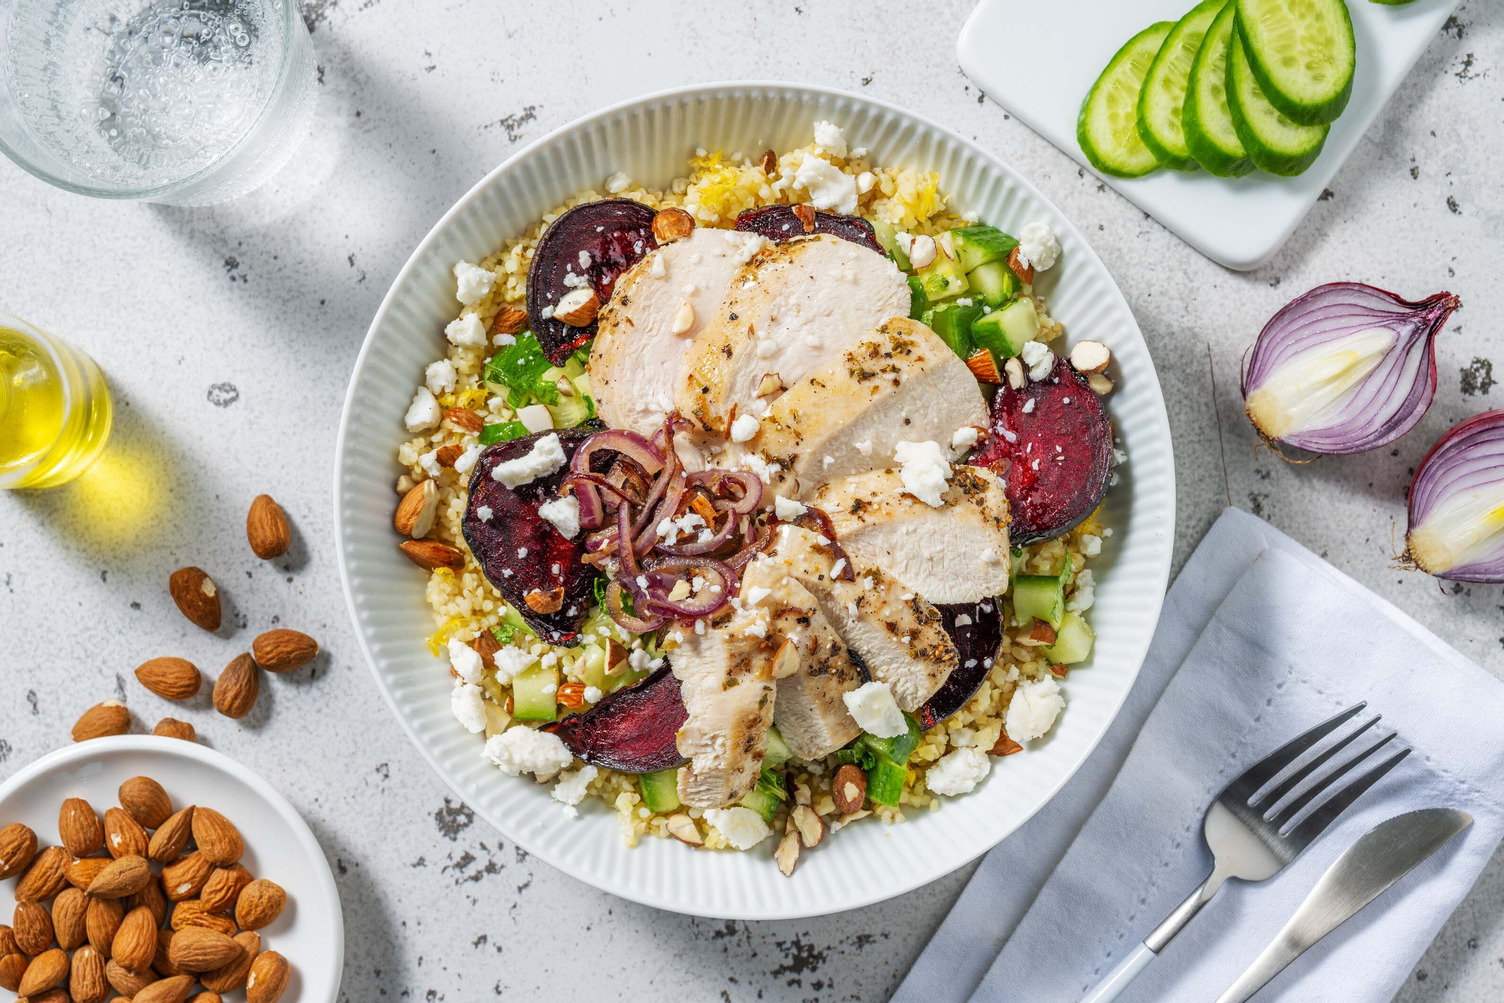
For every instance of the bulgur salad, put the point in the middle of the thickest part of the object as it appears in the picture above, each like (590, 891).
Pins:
(759, 504)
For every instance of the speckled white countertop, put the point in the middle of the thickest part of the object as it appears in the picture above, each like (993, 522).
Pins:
(228, 334)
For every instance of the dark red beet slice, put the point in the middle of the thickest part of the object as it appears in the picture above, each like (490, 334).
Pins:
(521, 552)
(615, 233)
(977, 644)
(632, 730)
(779, 222)
(1054, 455)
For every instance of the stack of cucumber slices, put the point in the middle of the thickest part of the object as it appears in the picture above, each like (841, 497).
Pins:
(1232, 86)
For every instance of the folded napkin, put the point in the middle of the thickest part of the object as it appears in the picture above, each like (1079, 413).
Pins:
(1259, 640)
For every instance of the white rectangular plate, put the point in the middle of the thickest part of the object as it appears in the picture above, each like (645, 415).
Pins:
(1038, 60)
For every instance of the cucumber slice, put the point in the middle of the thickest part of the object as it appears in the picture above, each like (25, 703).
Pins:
(1107, 127)
(1161, 103)
(660, 791)
(1073, 640)
(994, 282)
(1302, 53)
(534, 695)
(979, 243)
(952, 322)
(1209, 132)
(1274, 143)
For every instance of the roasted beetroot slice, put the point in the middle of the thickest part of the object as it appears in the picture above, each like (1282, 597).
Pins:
(1054, 457)
(778, 222)
(632, 730)
(521, 552)
(977, 644)
(615, 233)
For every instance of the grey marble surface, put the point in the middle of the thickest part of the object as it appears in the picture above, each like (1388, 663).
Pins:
(228, 333)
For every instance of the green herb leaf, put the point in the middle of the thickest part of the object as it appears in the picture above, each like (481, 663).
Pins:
(504, 632)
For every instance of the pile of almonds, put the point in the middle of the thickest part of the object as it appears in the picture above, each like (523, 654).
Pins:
(115, 922)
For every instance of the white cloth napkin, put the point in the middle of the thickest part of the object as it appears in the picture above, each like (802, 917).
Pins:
(1268, 640)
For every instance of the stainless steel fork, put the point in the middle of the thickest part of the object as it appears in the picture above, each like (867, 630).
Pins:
(1250, 834)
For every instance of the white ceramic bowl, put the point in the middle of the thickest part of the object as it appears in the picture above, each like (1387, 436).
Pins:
(310, 933)
(650, 139)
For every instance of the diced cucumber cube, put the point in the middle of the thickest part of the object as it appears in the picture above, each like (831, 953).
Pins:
(885, 782)
(943, 278)
(953, 322)
(887, 235)
(660, 791)
(978, 244)
(1073, 640)
(919, 301)
(777, 751)
(1040, 597)
(535, 695)
(767, 795)
(995, 283)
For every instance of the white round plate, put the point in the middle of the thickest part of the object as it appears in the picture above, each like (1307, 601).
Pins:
(310, 933)
(650, 139)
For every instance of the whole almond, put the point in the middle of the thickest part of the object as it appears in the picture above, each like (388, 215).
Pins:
(171, 836)
(108, 718)
(849, 789)
(218, 840)
(46, 970)
(8, 943)
(199, 949)
(416, 510)
(161, 963)
(232, 976)
(31, 925)
(126, 981)
(266, 528)
(205, 997)
(82, 872)
(78, 828)
(192, 912)
(69, 910)
(170, 678)
(153, 898)
(237, 687)
(224, 887)
(45, 877)
(57, 994)
(101, 923)
(135, 943)
(121, 877)
(123, 835)
(260, 903)
(86, 983)
(197, 598)
(18, 846)
(185, 877)
(509, 320)
(174, 989)
(430, 555)
(145, 801)
(283, 650)
(465, 419)
(12, 967)
(267, 979)
(171, 727)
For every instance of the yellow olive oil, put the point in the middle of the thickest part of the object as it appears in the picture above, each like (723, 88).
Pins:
(55, 410)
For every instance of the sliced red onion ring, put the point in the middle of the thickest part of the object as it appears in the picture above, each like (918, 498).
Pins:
(720, 582)
(630, 445)
(636, 624)
(1344, 368)
(1457, 503)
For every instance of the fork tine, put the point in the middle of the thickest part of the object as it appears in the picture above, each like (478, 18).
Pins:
(1266, 769)
(1326, 783)
(1277, 794)
(1316, 823)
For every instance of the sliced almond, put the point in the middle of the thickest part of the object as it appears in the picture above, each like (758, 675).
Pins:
(465, 420)
(430, 555)
(1014, 371)
(806, 216)
(771, 383)
(922, 251)
(1100, 384)
(983, 366)
(1005, 746)
(785, 660)
(578, 307)
(1090, 357)
(545, 602)
(671, 224)
(447, 455)
(1022, 270)
(684, 317)
(769, 162)
(787, 854)
(683, 828)
(848, 788)
(811, 827)
(196, 596)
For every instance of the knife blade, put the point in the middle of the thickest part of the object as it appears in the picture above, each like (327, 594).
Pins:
(1378, 859)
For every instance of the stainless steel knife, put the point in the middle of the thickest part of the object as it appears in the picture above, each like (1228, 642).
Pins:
(1379, 858)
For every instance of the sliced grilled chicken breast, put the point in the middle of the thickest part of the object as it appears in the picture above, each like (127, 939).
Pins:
(655, 312)
(898, 383)
(955, 553)
(901, 641)
(788, 311)
(726, 681)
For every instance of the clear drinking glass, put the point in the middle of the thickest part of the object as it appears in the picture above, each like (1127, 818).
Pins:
(188, 102)
(55, 410)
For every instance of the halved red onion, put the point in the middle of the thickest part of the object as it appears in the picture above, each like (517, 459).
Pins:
(1457, 503)
(1344, 368)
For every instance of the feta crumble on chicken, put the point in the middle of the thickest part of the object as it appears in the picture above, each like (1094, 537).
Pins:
(925, 472)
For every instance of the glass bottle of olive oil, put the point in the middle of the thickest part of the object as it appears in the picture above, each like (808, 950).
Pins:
(55, 410)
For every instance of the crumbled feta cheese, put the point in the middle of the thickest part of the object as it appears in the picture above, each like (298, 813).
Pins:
(964, 438)
(742, 827)
(468, 705)
(520, 750)
(564, 513)
(544, 458)
(536, 417)
(758, 628)
(429, 461)
(423, 413)
(584, 259)
(1033, 709)
(828, 186)
(864, 447)
(875, 711)
(830, 138)
(989, 555)
(962, 620)
(864, 182)
(1091, 545)
(837, 568)
(658, 269)
(1038, 246)
(465, 462)
(1038, 358)
(787, 509)
(1029, 405)
(958, 772)
(473, 281)
(571, 788)
(641, 661)
(504, 340)
(744, 427)
(440, 377)
(512, 660)
(925, 472)
(669, 530)
(484, 513)
(466, 661)
(618, 183)
(755, 595)
(593, 694)
(466, 331)
(1086, 592)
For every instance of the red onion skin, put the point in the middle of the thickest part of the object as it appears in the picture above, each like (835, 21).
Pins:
(1310, 320)
(1469, 456)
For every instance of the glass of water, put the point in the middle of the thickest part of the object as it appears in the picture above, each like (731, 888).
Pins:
(188, 102)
